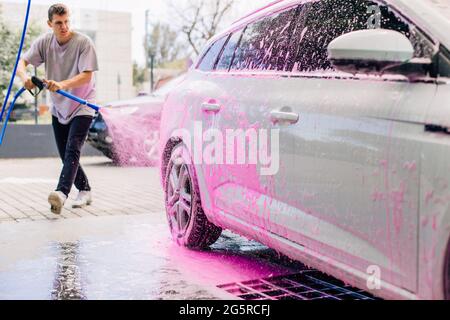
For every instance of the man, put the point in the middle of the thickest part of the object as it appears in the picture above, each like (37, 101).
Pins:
(70, 62)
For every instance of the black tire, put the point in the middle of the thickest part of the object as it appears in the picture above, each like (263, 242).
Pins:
(189, 229)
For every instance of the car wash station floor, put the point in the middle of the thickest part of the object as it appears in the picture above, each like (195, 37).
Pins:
(120, 247)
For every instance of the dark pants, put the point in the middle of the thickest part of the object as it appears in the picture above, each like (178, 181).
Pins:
(70, 139)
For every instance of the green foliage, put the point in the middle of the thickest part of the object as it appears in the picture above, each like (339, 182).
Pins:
(138, 75)
(163, 44)
(10, 40)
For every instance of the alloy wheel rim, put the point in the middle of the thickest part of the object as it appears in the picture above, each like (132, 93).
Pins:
(179, 198)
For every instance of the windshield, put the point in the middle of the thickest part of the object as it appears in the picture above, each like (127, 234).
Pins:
(442, 6)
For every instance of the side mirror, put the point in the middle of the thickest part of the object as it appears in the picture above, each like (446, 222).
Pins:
(375, 50)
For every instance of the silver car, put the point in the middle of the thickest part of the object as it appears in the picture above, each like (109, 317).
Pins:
(322, 130)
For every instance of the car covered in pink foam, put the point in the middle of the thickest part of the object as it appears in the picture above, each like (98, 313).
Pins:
(350, 100)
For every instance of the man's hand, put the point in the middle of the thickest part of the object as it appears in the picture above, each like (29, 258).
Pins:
(22, 73)
(28, 84)
(54, 86)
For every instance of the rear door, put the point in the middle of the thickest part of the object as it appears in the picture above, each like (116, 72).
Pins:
(358, 149)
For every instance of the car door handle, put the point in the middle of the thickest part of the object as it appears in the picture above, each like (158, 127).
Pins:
(278, 116)
(211, 107)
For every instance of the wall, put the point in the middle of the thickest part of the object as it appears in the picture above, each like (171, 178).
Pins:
(23, 141)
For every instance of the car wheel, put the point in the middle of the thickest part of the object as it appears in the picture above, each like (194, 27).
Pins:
(187, 221)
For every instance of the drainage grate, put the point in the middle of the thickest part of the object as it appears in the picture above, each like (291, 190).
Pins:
(307, 285)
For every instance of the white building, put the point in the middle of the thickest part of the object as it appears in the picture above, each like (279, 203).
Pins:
(111, 33)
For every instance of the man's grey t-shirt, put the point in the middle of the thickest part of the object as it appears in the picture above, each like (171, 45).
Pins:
(63, 62)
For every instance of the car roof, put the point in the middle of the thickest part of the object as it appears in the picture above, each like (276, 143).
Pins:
(418, 11)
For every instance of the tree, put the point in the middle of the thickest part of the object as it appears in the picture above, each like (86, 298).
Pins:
(10, 40)
(163, 44)
(138, 74)
(200, 20)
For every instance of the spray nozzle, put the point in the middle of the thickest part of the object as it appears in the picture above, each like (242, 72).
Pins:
(38, 83)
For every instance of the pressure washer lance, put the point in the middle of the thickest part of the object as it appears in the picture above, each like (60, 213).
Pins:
(41, 85)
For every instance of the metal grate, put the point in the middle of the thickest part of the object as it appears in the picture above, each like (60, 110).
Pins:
(306, 285)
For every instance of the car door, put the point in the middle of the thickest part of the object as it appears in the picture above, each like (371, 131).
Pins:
(250, 184)
(199, 97)
(355, 185)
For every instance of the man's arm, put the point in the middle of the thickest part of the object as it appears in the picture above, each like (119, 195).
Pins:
(77, 81)
(22, 74)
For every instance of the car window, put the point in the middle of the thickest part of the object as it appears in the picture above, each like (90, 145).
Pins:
(250, 52)
(228, 52)
(296, 38)
(325, 20)
(209, 59)
(264, 43)
(278, 48)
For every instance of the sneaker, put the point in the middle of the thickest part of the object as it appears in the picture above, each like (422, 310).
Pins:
(84, 199)
(57, 200)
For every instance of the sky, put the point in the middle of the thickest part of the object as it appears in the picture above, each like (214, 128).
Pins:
(159, 11)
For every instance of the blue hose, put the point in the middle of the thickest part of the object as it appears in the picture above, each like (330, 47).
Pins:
(5, 103)
(41, 85)
(80, 101)
(61, 92)
(18, 94)
(17, 63)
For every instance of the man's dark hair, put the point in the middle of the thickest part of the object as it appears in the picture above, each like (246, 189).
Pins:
(59, 9)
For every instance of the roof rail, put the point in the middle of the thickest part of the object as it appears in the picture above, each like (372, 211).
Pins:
(258, 10)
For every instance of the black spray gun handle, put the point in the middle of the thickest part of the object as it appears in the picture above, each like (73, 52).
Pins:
(38, 83)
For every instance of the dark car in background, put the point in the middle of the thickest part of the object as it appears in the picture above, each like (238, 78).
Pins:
(22, 112)
(128, 131)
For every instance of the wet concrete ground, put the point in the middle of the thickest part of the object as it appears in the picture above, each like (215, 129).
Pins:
(26, 183)
(120, 247)
(123, 257)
